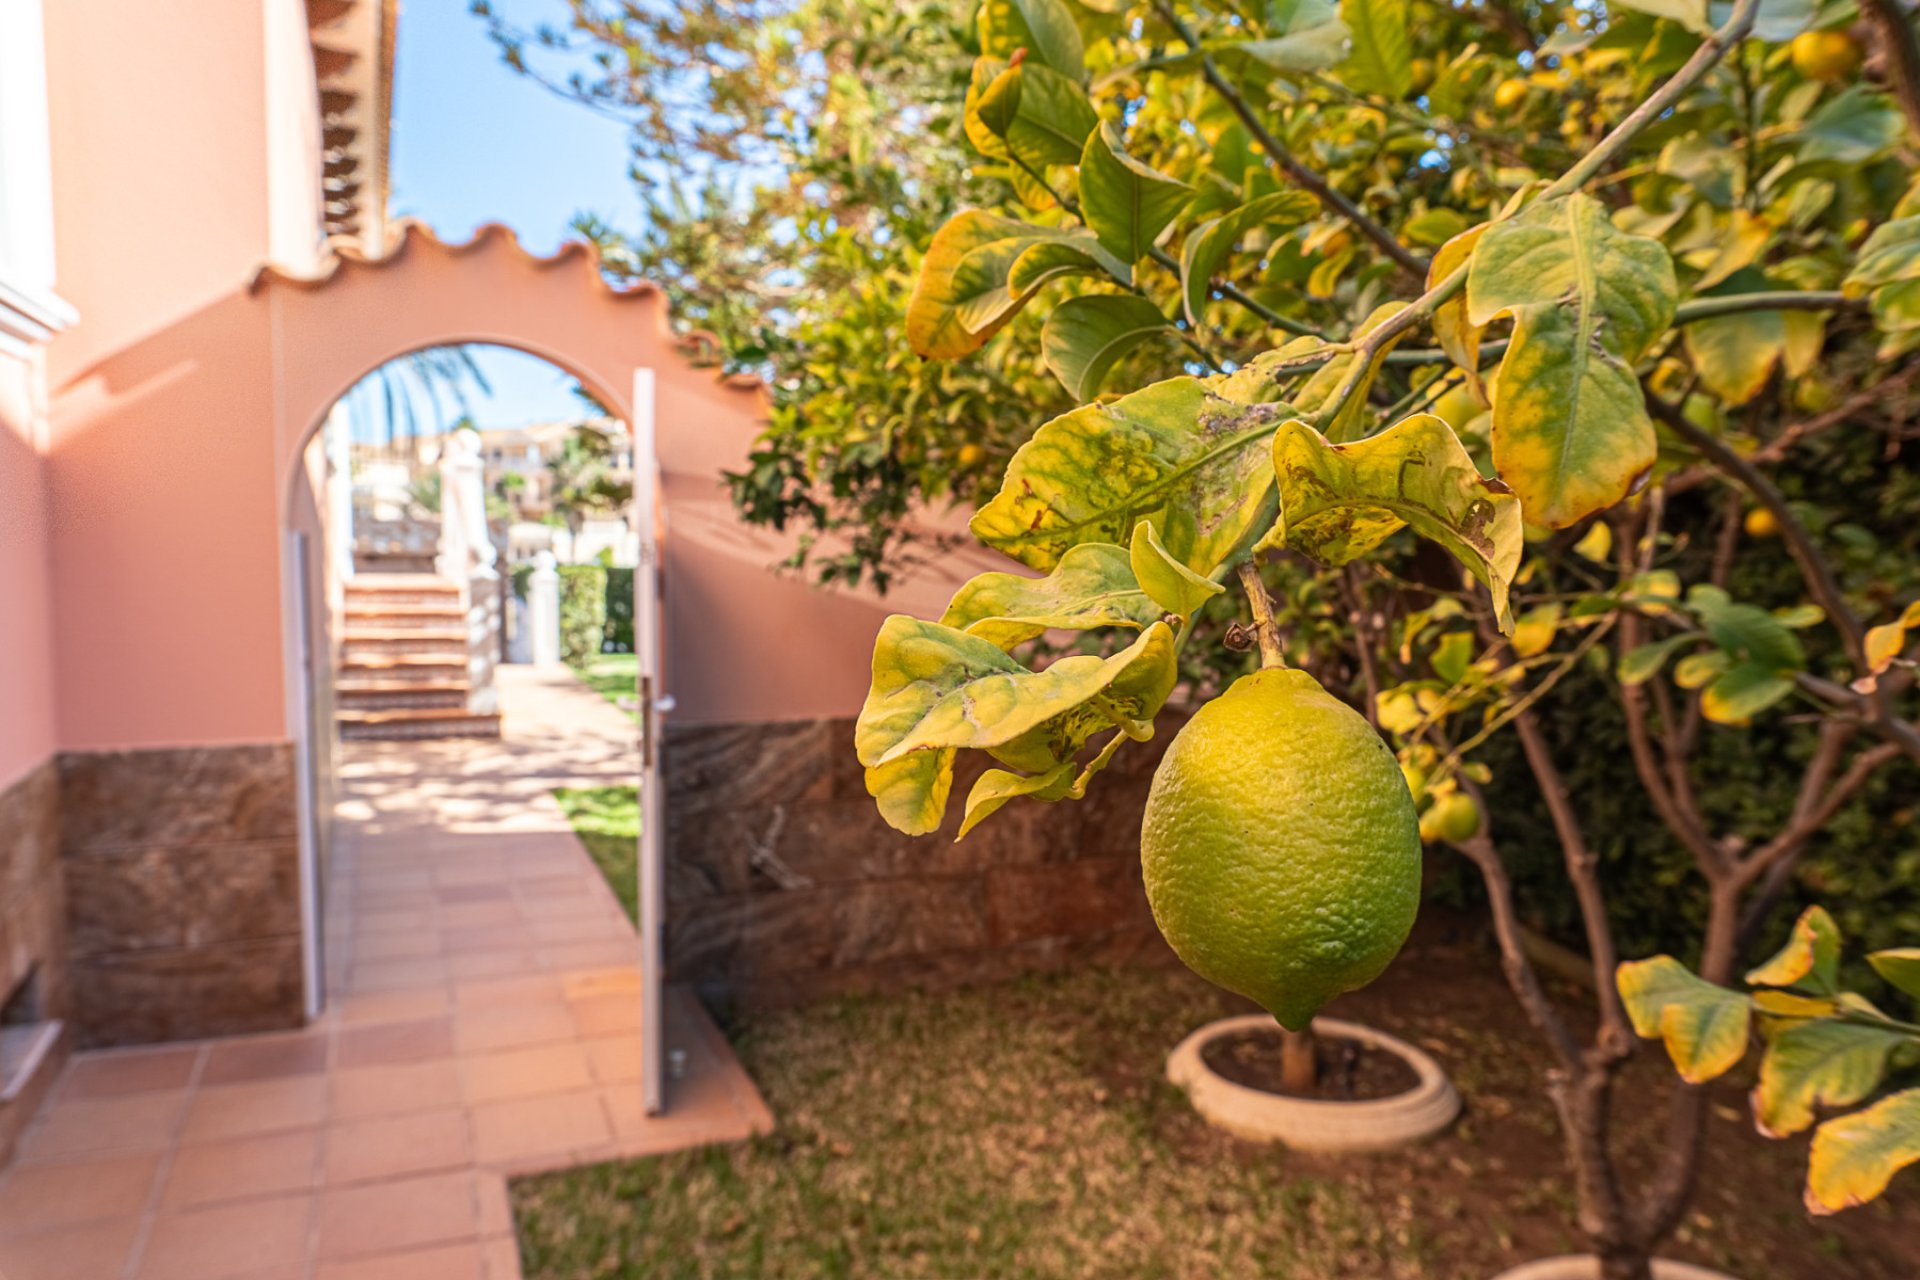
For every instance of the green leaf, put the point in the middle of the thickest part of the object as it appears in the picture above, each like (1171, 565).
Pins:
(1382, 57)
(1890, 254)
(1570, 426)
(936, 689)
(1093, 586)
(1169, 584)
(1699, 669)
(1818, 1064)
(1855, 1157)
(1810, 960)
(1453, 656)
(1044, 28)
(1747, 632)
(1735, 354)
(1704, 1026)
(912, 792)
(963, 295)
(1853, 128)
(1742, 692)
(1338, 502)
(1076, 253)
(1175, 453)
(1085, 337)
(1691, 14)
(1126, 203)
(998, 105)
(1208, 245)
(1049, 126)
(1900, 966)
(1641, 663)
(1776, 22)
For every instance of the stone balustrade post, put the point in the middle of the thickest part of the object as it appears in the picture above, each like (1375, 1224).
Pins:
(543, 609)
(467, 558)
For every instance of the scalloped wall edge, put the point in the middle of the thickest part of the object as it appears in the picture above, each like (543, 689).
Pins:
(344, 254)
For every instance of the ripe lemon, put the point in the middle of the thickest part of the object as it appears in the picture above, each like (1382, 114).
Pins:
(1280, 847)
(1824, 55)
(1510, 94)
(970, 455)
(1760, 523)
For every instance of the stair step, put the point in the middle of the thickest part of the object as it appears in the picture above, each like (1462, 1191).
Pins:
(401, 617)
(413, 723)
(407, 666)
(393, 695)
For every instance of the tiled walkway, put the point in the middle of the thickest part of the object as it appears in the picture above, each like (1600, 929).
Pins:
(484, 1022)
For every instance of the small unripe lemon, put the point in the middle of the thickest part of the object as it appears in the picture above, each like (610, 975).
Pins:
(1760, 523)
(1510, 94)
(1452, 818)
(1421, 73)
(970, 456)
(1825, 55)
(1280, 848)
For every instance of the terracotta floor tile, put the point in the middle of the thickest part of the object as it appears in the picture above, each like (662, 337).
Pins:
(242, 1168)
(488, 938)
(523, 1073)
(135, 1122)
(467, 915)
(265, 1058)
(464, 1261)
(508, 1131)
(622, 980)
(229, 1241)
(394, 946)
(534, 988)
(584, 955)
(502, 1258)
(496, 1206)
(387, 1217)
(395, 1042)
(395, 1146)
(512, 1026)
(118, 1072)
(615, 1059)
(607, 1015)
(266, 1106)
(42, 1197)
(358, 1008)
(92, 1252)
(392, 1090)
(505, 962)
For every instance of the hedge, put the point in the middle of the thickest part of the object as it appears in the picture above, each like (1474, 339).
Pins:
(596, 611)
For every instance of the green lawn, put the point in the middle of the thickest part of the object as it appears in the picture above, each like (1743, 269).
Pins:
(607, 820)
(612, 676)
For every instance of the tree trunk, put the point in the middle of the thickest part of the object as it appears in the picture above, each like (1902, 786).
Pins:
(1626, 1263)
(1298, 1070)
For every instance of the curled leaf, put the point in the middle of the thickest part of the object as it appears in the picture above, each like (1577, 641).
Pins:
(1855, 1157)
(1704, 1026)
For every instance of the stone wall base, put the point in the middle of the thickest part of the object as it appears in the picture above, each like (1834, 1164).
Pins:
(785, 885)
(33, 930)
(183, 899)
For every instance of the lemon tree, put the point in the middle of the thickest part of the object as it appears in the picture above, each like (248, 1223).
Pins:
(1424, 327)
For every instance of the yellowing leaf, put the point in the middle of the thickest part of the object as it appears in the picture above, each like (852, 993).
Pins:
(1641, 663)
(1352, 414)
(1816, 1064)
(1855, 1157)
(1092, 586)
(1884, 643)
(1534, 633)
(1457, 336)
(1810, 960)
(1044, 28)
(1570, 426)
(912, 791)
(1176, 453)
(1704, 1026)
(1742, 692)
(1065, 781)
(1735, 354)
(963, 297)
(1699, 669)
(1050, 119)
(1341, 501)
(1900, 966)
(1596, 544)
(1169, 584)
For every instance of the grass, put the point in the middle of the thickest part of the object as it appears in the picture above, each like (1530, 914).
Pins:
(612, 676)
(607, 820)
(1025, 1132)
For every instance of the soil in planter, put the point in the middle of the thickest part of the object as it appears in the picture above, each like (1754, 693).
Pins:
(1349, 1070)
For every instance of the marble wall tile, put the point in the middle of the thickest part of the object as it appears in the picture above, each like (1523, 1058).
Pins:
(174, 797)
(143, 997)
(33, 936)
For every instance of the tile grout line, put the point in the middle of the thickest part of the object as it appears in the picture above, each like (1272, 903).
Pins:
(163, 1168)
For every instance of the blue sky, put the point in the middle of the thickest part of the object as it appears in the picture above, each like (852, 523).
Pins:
(474, 142)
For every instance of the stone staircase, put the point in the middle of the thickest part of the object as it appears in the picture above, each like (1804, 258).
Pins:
(403, 662)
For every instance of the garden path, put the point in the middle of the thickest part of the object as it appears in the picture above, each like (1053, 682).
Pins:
(484, 1022)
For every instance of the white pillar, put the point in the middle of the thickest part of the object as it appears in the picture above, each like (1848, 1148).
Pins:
(543, 610)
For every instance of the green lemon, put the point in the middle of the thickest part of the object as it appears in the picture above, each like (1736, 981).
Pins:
(1452, 818)
(1281, 849)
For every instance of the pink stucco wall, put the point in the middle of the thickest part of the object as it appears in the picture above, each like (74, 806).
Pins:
(27, 730)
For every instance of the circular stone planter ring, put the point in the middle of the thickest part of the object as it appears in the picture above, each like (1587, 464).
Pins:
(1314, 1124)
(1584, 1266)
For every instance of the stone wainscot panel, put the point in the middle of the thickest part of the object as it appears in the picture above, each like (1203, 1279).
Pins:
(183, 901)
(33, 929)
(784, 884)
